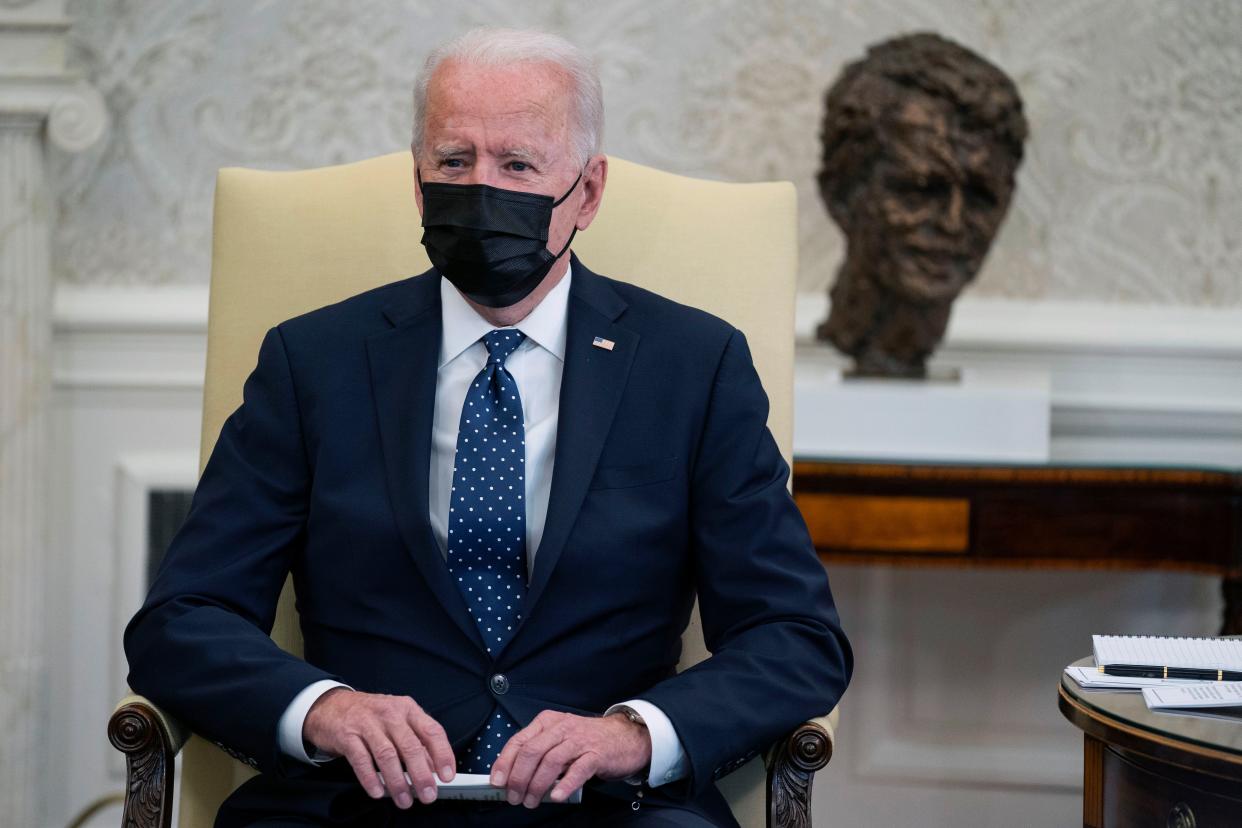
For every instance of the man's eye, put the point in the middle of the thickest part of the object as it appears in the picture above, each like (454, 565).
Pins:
(518, 166)
(453, 163)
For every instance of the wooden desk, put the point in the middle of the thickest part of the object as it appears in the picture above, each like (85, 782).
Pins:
(1145, 768)
(1028, 516)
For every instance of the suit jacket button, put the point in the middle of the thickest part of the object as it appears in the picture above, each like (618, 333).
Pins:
(499, 684)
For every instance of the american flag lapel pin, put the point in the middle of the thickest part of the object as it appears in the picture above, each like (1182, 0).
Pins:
(606, 344)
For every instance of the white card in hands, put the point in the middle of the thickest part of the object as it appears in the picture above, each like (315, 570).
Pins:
(478, 786)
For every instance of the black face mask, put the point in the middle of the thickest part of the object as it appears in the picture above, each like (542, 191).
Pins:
(491, 244)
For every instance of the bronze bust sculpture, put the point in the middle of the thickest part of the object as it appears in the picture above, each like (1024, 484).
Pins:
(921, 140)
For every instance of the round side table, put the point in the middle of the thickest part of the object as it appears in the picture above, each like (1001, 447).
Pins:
(1142, 768)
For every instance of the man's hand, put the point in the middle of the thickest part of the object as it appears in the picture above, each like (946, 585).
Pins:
(389, 732)
(571, 748)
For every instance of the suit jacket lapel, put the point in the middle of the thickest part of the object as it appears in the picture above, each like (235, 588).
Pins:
(591, 385)
(404, 363)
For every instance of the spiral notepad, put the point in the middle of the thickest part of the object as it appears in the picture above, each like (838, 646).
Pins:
(1166, 651)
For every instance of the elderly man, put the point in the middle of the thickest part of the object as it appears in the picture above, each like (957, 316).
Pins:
(464, 608)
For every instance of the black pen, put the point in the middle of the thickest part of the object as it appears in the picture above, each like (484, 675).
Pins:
(1137, 671)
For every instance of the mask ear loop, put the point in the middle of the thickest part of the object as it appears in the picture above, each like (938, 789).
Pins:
(568, 242)
(557, 203)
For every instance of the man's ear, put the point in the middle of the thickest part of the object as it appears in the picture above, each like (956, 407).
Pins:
(418, 191)
(594, 177)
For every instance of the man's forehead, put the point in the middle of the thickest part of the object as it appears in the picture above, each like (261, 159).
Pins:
(526, 88)
(518, 107)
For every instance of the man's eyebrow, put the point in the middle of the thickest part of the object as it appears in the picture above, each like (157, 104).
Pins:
(521, 153)
(443, 151)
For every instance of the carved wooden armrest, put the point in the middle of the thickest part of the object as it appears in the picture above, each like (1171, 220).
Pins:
(150, 740)
(792, 763)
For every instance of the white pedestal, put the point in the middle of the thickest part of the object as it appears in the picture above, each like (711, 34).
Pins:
(998, 416)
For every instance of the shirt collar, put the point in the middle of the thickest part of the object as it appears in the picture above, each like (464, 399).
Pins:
(462, 325)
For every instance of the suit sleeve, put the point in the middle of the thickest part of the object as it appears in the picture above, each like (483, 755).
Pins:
(200, 645)
(779, 656)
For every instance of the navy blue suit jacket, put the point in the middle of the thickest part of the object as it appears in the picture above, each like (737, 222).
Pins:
(666, 483)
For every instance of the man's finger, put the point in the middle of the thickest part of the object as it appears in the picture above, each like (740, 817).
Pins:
(503, 763)
(386, 757)
(416, 761)
(435, 740)
(527, 760)
(359, 758)
(550, 767)
(581, 770)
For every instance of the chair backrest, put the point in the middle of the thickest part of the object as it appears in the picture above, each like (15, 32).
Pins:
(288, 242)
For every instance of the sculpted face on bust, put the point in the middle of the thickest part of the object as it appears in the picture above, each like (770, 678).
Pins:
(922, 139)
(510, 127)
(931, 205)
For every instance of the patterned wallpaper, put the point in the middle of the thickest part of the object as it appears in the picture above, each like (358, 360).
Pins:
(1131, 191)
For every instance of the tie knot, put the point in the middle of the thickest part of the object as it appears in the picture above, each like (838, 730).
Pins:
(501, 343)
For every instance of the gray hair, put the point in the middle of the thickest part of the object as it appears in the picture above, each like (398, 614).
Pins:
(505, 47)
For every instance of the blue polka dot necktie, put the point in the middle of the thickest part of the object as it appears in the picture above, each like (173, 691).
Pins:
(487, 519)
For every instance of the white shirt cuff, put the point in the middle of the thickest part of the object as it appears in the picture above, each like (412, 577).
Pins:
(668, 757)
(294, 717)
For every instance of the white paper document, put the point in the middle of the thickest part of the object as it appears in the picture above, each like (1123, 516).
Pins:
(1218, 699)
(1089, 678)
(478, 786)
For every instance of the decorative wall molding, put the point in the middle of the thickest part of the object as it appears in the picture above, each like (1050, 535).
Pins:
(34, 80)
(133, 309)
(133, 338)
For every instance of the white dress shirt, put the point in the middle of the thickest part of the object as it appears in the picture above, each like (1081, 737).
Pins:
(537, 366)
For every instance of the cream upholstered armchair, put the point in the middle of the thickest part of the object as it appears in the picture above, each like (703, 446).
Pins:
(288, 242)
